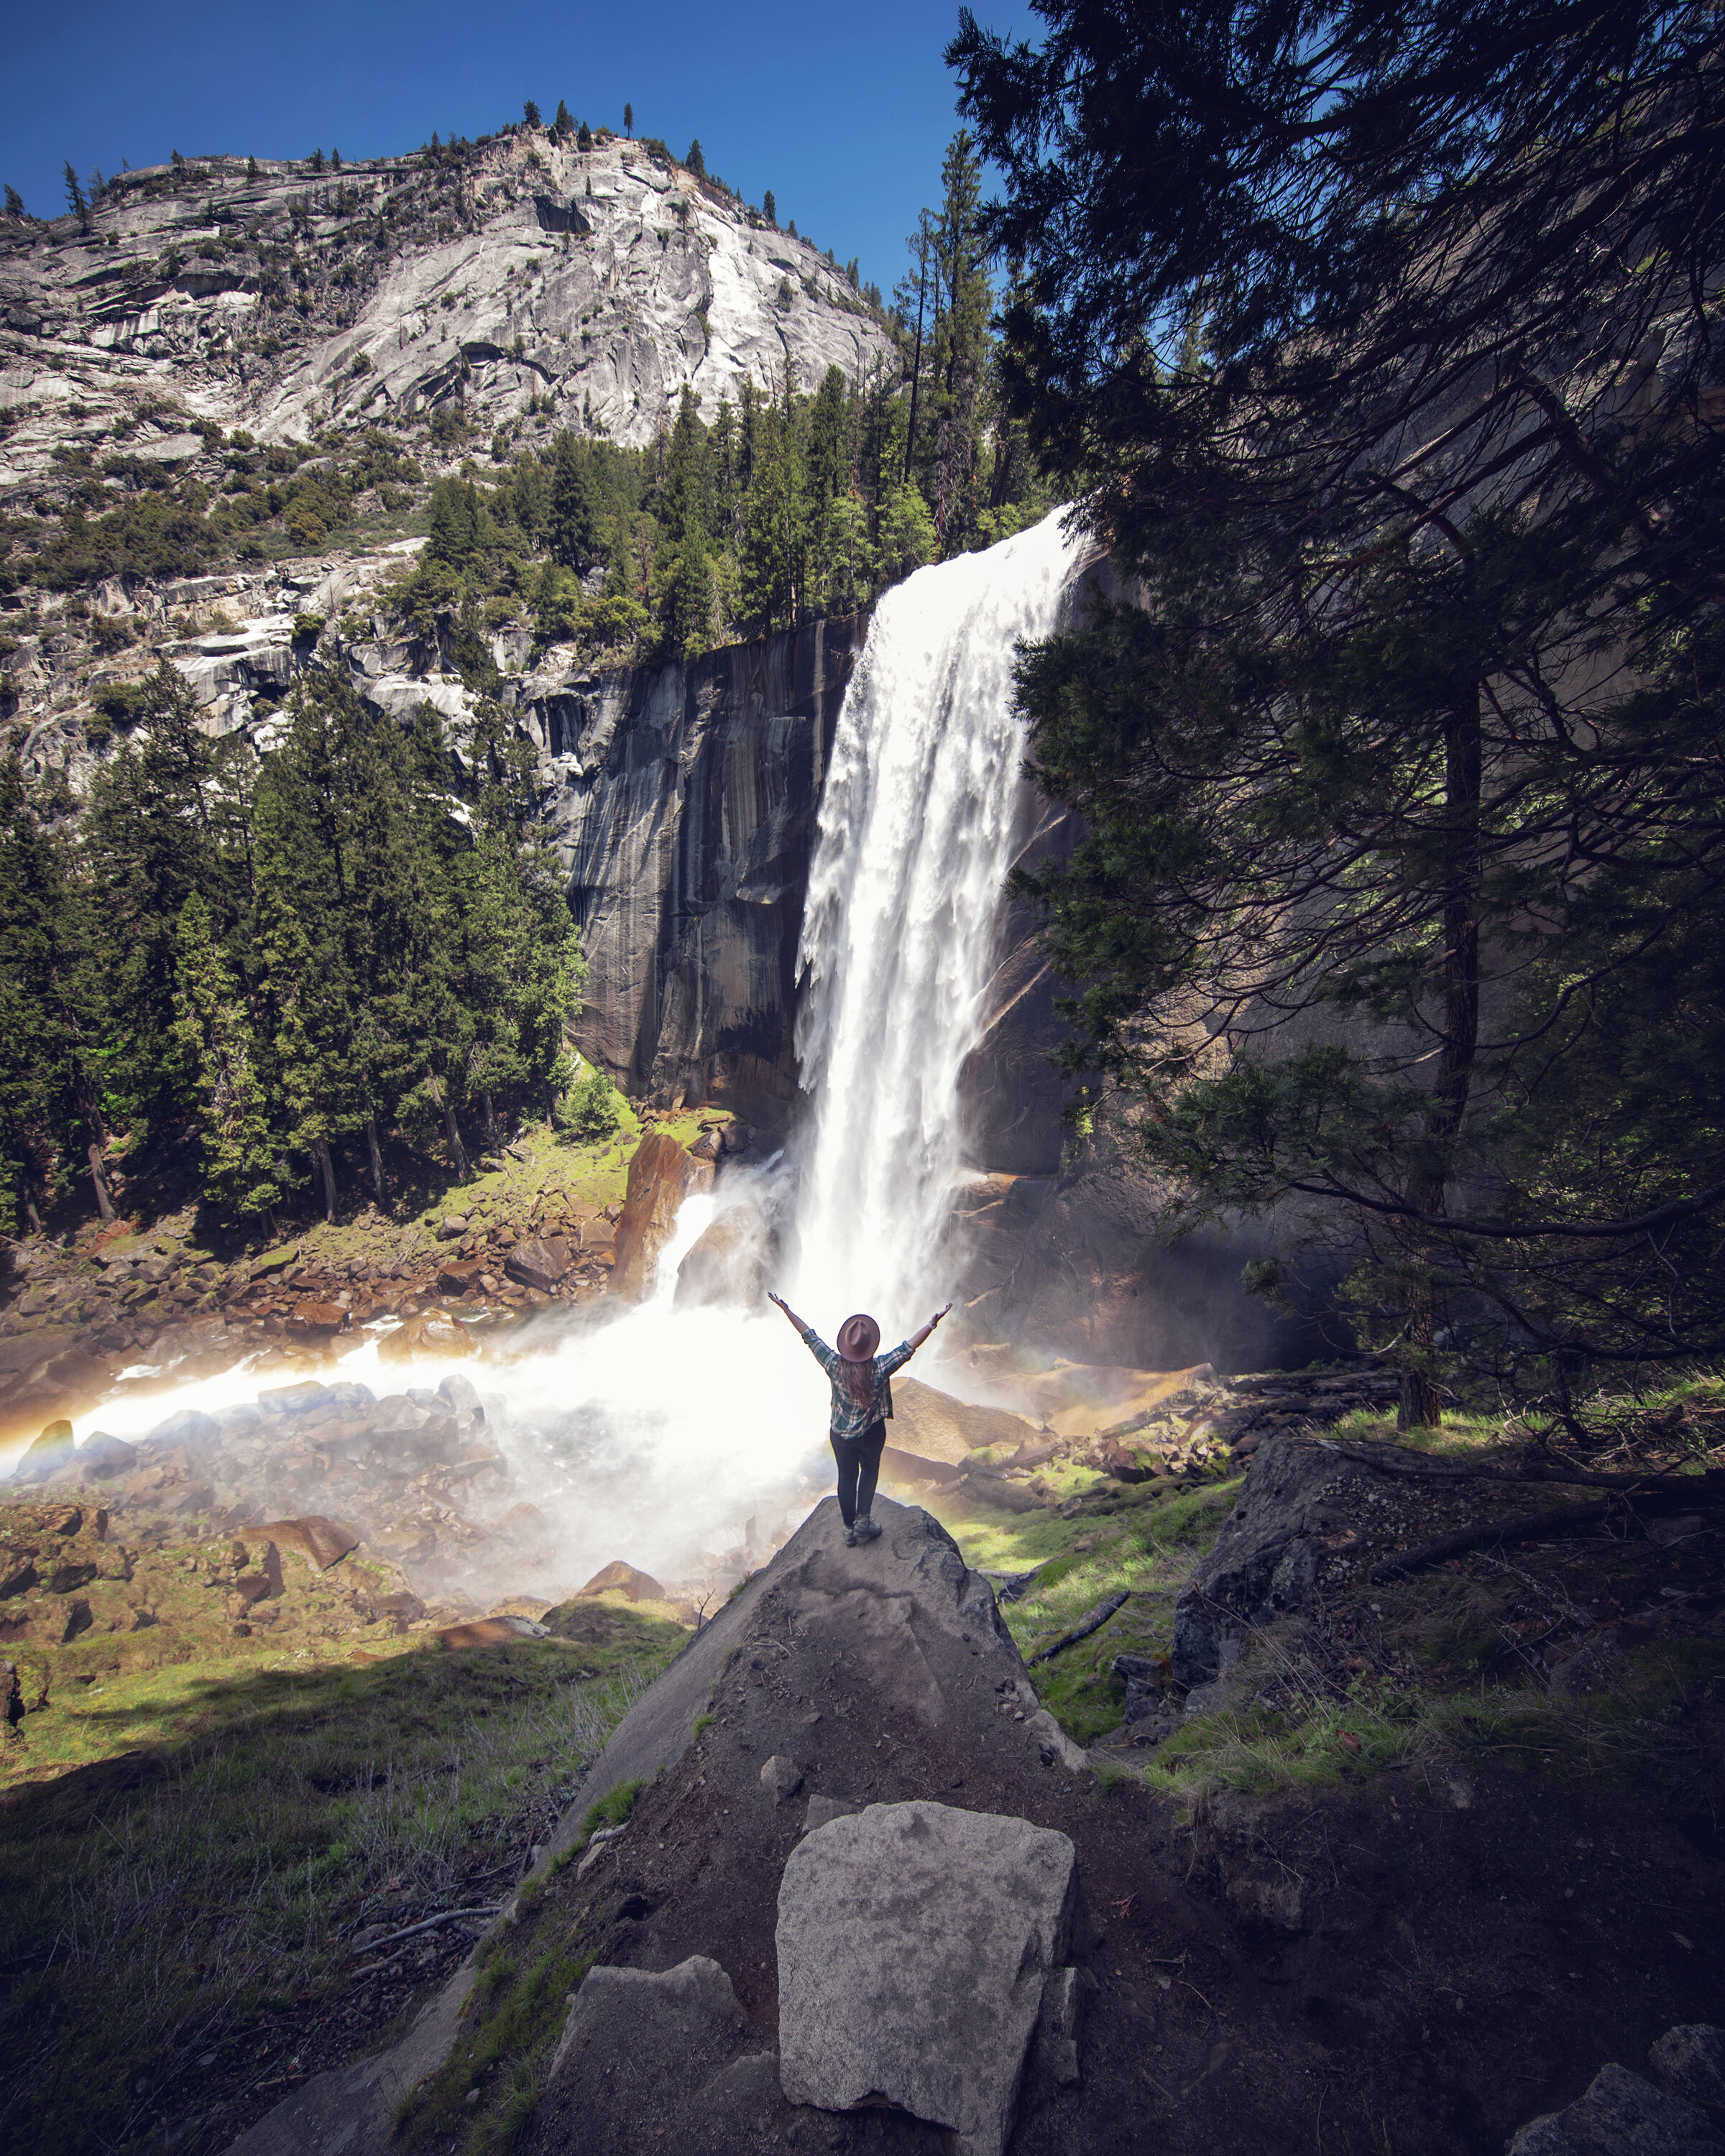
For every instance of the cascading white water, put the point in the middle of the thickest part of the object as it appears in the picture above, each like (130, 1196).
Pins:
(656, 1436)
(923, 809)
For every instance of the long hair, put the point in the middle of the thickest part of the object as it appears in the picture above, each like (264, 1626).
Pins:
(860, 1381)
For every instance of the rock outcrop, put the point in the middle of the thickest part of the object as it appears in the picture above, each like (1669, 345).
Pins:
(662, 1174)
(594, 283)
(1622, 2114)
(916, 1945)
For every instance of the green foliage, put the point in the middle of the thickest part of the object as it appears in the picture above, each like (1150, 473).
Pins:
(591, 1109)
(298, 952)
(613, 1808)
(1382, 751)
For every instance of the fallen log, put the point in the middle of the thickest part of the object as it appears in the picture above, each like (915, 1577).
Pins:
(1091, 1621)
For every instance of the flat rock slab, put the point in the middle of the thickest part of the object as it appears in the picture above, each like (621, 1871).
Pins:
(1621, 2115)
(915, 1944)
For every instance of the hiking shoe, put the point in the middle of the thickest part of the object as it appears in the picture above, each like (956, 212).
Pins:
(852, 1535)
(867, 1529)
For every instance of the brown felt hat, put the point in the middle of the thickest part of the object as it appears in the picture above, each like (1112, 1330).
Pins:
(859, 1336)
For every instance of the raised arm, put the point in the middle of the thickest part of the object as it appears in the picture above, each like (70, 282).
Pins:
(789, 1313)
(917, 1339)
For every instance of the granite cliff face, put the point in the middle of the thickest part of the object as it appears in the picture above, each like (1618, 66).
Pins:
(595, 284)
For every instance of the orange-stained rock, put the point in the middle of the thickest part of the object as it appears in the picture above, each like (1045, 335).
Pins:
(490, 1632)
(321, 1318)
(430, 1333)
(661, 1175)
(619, 1578)
(324, 1542)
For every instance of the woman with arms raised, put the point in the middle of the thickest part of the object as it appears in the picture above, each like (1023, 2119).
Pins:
(862, 1402)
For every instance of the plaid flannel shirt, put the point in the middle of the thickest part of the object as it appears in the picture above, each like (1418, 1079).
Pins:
(849, 1420)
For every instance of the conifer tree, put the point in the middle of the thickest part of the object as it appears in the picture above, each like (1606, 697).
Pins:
(75, 193)
(689, 601)
(563, 126)
(530, 115)
(151, 835)
(695, 162)
(629, 120)
(770, 209)
(574, 528)
(216, 1053)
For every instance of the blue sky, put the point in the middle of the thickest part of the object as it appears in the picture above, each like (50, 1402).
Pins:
(843, 113)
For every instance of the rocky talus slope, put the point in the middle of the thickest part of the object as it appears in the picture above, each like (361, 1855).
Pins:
(596, 284)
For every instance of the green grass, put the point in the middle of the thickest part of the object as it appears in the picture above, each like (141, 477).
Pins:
(520, 2012)
(613, 1808)
(1149, 1548)
(180, 1900)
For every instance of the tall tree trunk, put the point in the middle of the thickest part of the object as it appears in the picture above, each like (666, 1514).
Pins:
(32, 1215)
(452, 1129)
(489, 1110)
(1421, 1406)
(326, 1172)
(376, 1157)
(105, 1203)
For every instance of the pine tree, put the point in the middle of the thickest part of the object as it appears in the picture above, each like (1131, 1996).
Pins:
(959, 356)
(574, 527)
(684, 502)
(530, 115)
(770, 209)
(907, 539)
(770, 563)
(689, 600)
(216, 1054)
(51, 1014)
(695, 162)
(252, 172)
(563, 126)
(583, 142)
(629, 120)
(15, 203)
(151, 832)
(75, 192)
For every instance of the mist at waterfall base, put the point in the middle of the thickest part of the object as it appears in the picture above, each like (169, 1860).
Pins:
(689, 1441)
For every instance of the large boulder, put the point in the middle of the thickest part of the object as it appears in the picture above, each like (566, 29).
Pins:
(49, 1455)
(661, 1175)
(1689, 2061)
(672, 2046)
(734, 1261)
(935, 1426)
(540, 1262)
(618, 1577)
(1621, 2115)
(429, 1334)
(915, 1945)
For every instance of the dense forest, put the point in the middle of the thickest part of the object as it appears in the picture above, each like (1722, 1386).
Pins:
(1382, 346)
(283, 965)
(353, 935)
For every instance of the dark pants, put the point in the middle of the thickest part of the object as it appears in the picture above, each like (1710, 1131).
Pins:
(858, 1460)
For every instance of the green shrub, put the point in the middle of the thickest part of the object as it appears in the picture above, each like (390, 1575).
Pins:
(593, 1109)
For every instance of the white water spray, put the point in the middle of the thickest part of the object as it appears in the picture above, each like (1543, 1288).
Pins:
(924, 807)
(655, 1436)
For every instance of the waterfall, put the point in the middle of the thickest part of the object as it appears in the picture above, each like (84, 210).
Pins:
(659, 1435)
(923, 809)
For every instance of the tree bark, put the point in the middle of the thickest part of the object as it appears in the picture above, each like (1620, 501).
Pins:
(105, 1203)
(1421, 1405)
(458, 1151)
(376, 1157)
(326, 1172)
(489, 1110)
